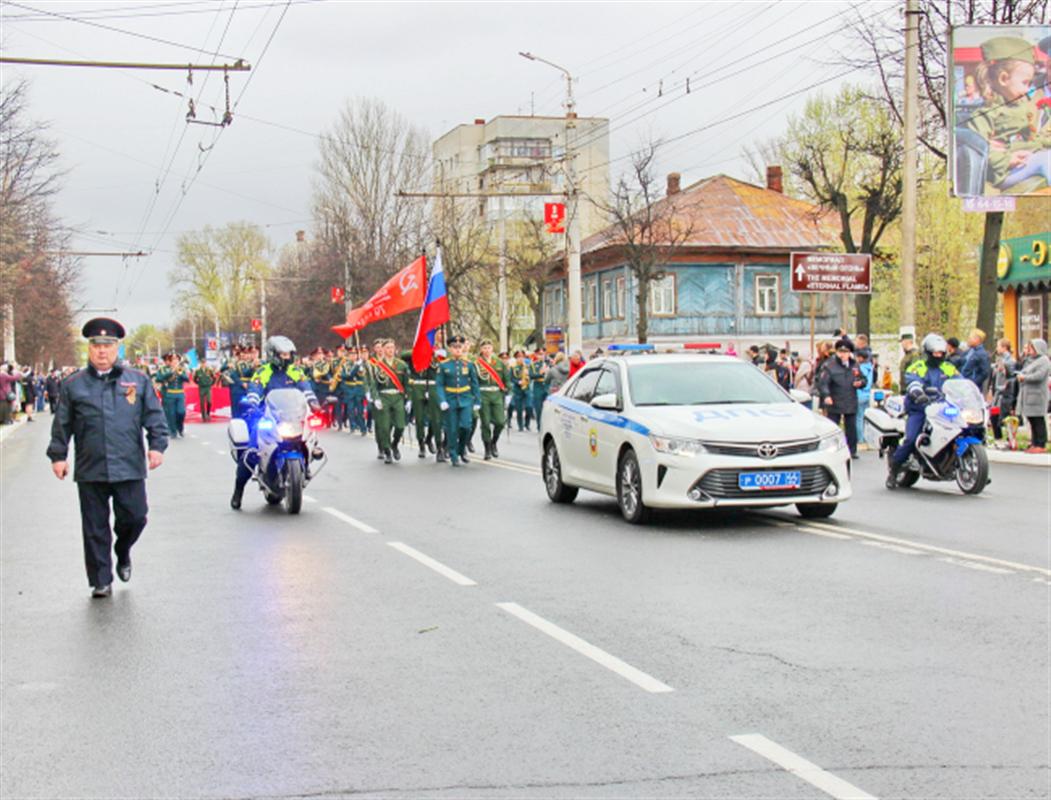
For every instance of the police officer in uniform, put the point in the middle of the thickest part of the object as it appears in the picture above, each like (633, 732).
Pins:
(104, 408)
(458, 396)
(493, 377)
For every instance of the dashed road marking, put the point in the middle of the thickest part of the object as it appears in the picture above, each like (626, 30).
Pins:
(437, 566)
(221, 452)
(357, 523)
(599, 656)
(801, 768)
(973, 565)
(815, 532)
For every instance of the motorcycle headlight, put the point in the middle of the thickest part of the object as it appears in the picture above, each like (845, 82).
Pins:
(972, 416)
(832, 442)
(675, 446)
(286, 430)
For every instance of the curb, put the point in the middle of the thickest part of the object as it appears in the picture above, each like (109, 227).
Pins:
(1023, 459)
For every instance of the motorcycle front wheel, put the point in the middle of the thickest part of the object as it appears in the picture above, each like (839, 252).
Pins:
(972, 469)
(293, 485)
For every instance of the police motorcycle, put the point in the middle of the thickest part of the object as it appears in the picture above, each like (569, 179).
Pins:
(278, 444)
(951, 443)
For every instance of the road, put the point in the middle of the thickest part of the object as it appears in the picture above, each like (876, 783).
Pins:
(420, 631)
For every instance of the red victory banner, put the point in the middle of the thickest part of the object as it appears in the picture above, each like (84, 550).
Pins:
(337, 294)
(403, 292)
(555, 217)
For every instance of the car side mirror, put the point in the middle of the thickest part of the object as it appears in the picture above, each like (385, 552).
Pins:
(800, 396)
(607, 402)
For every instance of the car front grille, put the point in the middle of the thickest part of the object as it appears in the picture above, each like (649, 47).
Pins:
(722, 484)
(752, 450)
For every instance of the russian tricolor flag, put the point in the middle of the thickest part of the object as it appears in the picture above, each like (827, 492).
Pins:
(435, 314)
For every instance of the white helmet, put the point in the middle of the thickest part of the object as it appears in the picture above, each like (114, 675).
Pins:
(278, 346)
(934, 343)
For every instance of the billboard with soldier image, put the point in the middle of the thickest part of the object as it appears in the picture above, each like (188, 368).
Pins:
(1000, 110)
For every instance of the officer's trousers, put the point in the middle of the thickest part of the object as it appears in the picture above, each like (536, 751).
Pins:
(205, 403)
(492, 414)
(354, 400)
(390, 420)
(129, 511)
(418, 398)
(457, 430)
(913, 429)
(175, 413)
(519, 407)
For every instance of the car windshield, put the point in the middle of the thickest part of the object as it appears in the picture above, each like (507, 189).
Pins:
(690, 384)
(287, 405)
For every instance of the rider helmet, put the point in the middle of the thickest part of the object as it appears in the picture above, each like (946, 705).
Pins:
(280, 351)
(934, 343)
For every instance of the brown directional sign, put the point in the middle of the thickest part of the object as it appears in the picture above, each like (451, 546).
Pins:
(832, 272)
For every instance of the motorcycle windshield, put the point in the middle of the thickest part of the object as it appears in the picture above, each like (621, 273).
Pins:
(287, 405)
(963, 394)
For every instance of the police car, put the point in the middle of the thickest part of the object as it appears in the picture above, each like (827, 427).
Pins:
(689, 431)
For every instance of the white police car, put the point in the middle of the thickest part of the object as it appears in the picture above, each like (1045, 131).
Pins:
(689, 431)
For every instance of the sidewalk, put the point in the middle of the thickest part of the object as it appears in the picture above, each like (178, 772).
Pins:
(7, 430)
(1018, 457)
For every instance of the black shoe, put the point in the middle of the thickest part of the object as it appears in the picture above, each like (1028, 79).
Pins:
(235, 500)
(423, 452)
(488, 451)
(396, 452)
(492, 447)
(892, 476)
(441, 458)
(124, 568)
(464, 458)
(102, 591)
(379, 456)
(430, 444)
(386, 458)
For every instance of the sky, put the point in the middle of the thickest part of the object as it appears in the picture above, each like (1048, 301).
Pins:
(137, 175)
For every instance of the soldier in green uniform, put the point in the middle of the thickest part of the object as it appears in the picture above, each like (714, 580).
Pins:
(388, 378)
(205, 377)
(418, 397)
(435, 428)
(172, 377)
(537, 384)
(519, 370)
(493, 377)
(458, 395)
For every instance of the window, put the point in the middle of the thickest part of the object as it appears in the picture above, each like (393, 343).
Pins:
(662, 296)
(609, 309)
(553, 311)
(767, 295)
(591, 300)
(607, 384)
(621, 305)
(584, 388)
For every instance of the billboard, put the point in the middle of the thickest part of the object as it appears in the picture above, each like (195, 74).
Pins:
(999, 102)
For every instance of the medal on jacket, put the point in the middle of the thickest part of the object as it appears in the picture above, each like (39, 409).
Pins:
(129, 393)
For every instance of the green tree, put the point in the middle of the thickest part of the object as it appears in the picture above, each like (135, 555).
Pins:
(147, 340)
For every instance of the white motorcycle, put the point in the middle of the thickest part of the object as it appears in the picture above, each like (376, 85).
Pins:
(280, 446)
(950, 446)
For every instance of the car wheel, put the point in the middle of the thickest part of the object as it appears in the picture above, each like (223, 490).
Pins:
(551, 468)
(816, 510)
(629, 489)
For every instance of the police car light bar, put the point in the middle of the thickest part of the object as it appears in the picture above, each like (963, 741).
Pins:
(702, 346)
(630, 348)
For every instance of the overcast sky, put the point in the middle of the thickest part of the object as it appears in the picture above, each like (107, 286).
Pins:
(439, 64)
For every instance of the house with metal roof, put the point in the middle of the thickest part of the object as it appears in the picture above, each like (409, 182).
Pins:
(723, 274)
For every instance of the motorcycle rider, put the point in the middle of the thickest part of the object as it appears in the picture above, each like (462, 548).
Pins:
(923, 378)
(279, 372)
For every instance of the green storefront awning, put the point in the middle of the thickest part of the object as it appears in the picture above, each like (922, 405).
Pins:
(1025, 263)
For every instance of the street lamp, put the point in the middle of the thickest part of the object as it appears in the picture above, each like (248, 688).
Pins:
(575, 338)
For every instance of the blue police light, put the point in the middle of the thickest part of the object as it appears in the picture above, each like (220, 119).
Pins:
(266, 425)
(629, 348)
(951, 411)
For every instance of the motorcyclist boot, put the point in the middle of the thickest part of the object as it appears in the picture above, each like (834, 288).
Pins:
(893, 470)
(238, 495)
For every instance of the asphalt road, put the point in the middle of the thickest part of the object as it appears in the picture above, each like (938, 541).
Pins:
(420, 631)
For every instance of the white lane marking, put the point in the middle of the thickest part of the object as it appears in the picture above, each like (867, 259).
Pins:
(816, 532)
(932, 548)
(204, 444)
(309, 499)
(221, 452)
(972, 565)
(357, 523)
(437, 566)
(193, 435)
(1041, 580)
(638, 677)
(896, 548)
(801, 768)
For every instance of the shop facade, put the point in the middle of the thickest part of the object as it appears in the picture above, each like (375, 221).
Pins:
(1023, 275)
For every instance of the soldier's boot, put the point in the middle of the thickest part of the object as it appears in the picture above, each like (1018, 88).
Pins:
(488, 451)
(387, 457)
(423, 450)
(470, 437)
(465, 444)
(430, 442)
(441, 457)
(497, 430)
(238, 496)
(394, 445)
(893, 468)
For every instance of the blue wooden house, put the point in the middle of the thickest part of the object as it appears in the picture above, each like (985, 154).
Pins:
(726, 279)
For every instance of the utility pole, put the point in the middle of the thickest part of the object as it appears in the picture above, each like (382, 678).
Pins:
(262, 313)
(501, 282)
(907, 323)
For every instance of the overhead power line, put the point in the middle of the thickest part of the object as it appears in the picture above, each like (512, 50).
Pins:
(238, 66)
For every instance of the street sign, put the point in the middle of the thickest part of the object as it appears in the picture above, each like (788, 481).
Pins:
(984, 205)
(832, 272)
(555, 217)
(337, 294)
(257, 325)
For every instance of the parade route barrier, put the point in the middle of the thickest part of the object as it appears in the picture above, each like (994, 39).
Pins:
(220, 404)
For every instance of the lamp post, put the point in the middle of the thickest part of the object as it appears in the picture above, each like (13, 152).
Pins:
(575, 334)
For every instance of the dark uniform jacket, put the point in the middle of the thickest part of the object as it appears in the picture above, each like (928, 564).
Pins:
(105, 416)
(837, 381)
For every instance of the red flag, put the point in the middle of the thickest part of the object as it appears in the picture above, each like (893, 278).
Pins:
(403, 292)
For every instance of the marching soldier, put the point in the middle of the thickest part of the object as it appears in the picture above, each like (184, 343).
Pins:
(238, 377)
(520, 390)
(435, 427)
(537, 385)
(389, 376)
(205, 377)
(418, 400)
(352, 390)
(458, 395)
(320, 377)
(172, 377)
(493, 377)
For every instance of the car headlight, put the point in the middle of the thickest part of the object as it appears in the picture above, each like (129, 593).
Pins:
(832, 442)
(286, 430)
(972, 416)
(675, 446)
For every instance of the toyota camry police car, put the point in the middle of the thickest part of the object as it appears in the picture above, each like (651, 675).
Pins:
(689, 431)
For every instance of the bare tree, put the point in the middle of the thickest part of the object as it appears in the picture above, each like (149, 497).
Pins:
(530, 253)
(646, 228)
(469, 264)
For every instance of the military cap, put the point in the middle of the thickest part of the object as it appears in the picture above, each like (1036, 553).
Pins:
(102, 330)
(1007, 48)
(457, 339)
(485, 342)
(845, 344)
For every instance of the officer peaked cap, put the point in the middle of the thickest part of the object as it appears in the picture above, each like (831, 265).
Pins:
(457, 339)
(102, 330)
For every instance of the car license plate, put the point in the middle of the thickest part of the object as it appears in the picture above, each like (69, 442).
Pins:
(764, 481)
